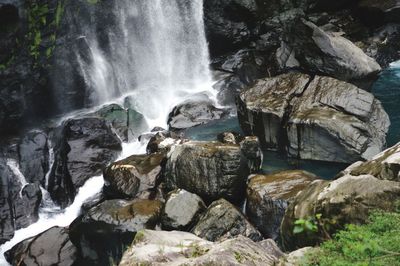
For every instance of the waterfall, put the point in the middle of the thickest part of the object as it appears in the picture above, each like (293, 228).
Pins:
(156, 52)
(154, 55)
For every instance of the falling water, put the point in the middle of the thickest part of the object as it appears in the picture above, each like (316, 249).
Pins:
(156, 56)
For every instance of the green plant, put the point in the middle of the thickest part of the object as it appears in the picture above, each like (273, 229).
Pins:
(238, 257)
(376, 243)
(316, 225)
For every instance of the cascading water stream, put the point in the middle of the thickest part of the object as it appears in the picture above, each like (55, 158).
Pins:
(155, 57)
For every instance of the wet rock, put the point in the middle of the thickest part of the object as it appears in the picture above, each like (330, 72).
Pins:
(318, 118)
(347, 200)
(82, 148)
(269, 195)
(180, 248)
(228, 137)
(34, 157)
(209, 169)
(163, 141)
(134, 175)
(251, 149)
(182, 210)
(222, 221)
(228, 89)
(333, 55)
(105, 230)
(193, 113)
(52, 247)
(128, 123)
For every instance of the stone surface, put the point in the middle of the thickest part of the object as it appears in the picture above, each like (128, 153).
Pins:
(180, 248)
(134, 175)
(82, 148)
(182, 210)
(221, 221)
(377, 12)
(209, 169)
(318, 118)
(269, 195)
(294, 258)
(104, 231)
(52, 247)
(347, 200)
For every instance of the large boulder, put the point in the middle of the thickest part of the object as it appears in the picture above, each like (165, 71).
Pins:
(222, 220)
(333, 55)
(104, 231)
(133, 176)
(182, 210)
(52, 247)
(268, 197)
(82, 148)
(209, 169)
(193, 113)
(332, 205)
(318, 118)
(180, 248)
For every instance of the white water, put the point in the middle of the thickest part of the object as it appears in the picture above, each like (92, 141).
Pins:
(158, 57)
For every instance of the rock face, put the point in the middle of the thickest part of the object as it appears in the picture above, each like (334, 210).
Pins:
(52, 247)
(209, 169)
(104, 230)
(322, 52)
(19, 201)
(347, 200)
(193, 113)
(133, 176)
(376, 12)
(82, 148)
(318, 118)
(180, 248)
(269, 195)
(182, 210)
(222, 221)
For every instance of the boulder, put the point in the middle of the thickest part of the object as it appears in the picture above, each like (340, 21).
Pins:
(251, 149)
(209, 169)
(228, 89)
(332, 205)
(163, 141)
(82, 148)
(333, 55)
(269, 195)
(133, 176)
(318, 118)
(52, 247)
(182, 210)
(193, 113)
(296, 257)
(104, 231)
(221, 221)
(377, 12)
(180, 248)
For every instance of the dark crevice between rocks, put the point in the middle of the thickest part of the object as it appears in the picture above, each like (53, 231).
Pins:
(9, 18)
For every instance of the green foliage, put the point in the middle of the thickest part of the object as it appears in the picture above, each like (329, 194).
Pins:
(376, 243)
(37, 18)
(316, 226)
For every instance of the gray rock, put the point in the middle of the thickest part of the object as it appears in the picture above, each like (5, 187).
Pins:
(269, 195)
(222, 221)
(182, 210)
(347, 200)
(133, 176)
(209, 169)
(322, 52)
(376, 12)
(52, 247)
(318, 119)
(180, 248)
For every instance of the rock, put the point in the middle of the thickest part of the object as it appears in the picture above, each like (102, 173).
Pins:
(34, 157)
(163, 141)
(295, 258)
(322, 52)
(269, 195)
(19, 201)
(82, 148)
(134, 175)
(182, 210)
(377, 12)
(251, 149)
(180, 248)
(316, 118)
(222, 221)
(347, 200)
(52, 247)
(209, 169)
(229, 138)
(193, 113)
(228, 89)
(128, 123)
(104, 231)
